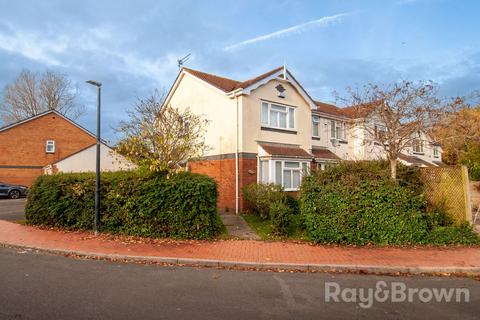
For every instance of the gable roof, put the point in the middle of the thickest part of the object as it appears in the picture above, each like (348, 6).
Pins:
(226, 84)
(14, 124)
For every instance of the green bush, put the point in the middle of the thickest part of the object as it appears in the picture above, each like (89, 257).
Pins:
(132, 203)
(474, 171)
(462, 234)
(281, 217)
(269, 201)
(260, 196)
(357, 203)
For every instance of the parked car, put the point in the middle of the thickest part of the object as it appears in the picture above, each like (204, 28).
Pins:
(12, 191)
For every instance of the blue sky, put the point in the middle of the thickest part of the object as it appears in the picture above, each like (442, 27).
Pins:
(132, 46)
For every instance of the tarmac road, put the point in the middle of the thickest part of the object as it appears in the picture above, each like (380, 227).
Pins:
(37, 285)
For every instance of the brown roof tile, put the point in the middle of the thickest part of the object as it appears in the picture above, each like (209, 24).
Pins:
(328, 109)
(324, 154)
(221, 83)
(285, 151)
(359, 111)
(226, 84)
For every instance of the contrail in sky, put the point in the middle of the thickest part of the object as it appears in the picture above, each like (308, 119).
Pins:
(297, 29)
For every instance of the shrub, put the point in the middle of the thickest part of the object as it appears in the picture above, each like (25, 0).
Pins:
(281, 217)
(474, 171)
(139, 204)
(380, 212)
(357, 203)
(260, 196)
(462, 234)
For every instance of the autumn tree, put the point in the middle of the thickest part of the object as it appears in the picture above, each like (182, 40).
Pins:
(459, 132)
(161, 138)
(32, 93)
(392, 116)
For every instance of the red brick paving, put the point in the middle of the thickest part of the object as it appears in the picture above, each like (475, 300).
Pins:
(240, 250)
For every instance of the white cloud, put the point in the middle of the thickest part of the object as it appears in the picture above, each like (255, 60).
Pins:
(297, 29)
(32, 47)
(69, 49)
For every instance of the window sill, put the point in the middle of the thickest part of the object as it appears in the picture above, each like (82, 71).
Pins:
(315, 138)
(419, 153)
(341, 141)
(289, 131)
(291, 190)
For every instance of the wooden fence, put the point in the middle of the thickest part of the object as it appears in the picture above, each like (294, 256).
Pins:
(448, 188)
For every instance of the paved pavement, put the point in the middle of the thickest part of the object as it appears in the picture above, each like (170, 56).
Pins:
(43, 286)
(247, 253)
(237, 227)
(12, 209)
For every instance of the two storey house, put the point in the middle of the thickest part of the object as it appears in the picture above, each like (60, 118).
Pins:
(269, 129)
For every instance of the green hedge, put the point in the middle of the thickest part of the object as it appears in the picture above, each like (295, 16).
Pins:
(357, 203)
(181, 206)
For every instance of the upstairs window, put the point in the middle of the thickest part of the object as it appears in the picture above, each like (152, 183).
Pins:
(337, 129)
(278, 116)
(380, 133)
(50, 146)
(436, 151)
(418, 144)
(315, 126)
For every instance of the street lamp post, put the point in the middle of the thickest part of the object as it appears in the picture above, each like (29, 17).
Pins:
(97, 166)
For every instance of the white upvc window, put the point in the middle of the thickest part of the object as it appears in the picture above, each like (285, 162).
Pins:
(337, 130)
(325, 165)
(287, 173)
(418, 144)
(380, 132)
(278, 116)
(50, 146)
(316, 126)
(436, 151)
(264, 171)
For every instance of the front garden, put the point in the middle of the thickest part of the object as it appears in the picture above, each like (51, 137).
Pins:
(355, 203)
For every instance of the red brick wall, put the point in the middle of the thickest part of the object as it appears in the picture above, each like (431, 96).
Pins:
(19, 176)
(223, 171)
(24, 145)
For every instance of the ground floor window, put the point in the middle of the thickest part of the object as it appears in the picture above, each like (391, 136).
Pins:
(287, 173)
(325, 165)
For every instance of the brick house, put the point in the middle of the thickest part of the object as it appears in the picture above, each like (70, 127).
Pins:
(269, 129)
(30, 145)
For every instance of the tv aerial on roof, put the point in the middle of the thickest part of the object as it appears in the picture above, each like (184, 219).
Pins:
(182, 61)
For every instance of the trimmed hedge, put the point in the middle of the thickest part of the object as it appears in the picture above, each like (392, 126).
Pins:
(357, 203)
(181, 206)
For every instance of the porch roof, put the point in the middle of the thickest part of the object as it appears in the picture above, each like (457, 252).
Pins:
(287, 151)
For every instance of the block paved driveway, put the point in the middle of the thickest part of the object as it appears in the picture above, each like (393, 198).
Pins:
(12, 209)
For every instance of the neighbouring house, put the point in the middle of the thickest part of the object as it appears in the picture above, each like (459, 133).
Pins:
(269, 129)
(49, 138)
(84, 161)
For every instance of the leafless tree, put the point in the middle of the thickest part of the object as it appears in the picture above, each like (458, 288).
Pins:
(393, 117)
(32, 93)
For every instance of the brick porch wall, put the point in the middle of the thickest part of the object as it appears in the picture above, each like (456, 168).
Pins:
(223, 171)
